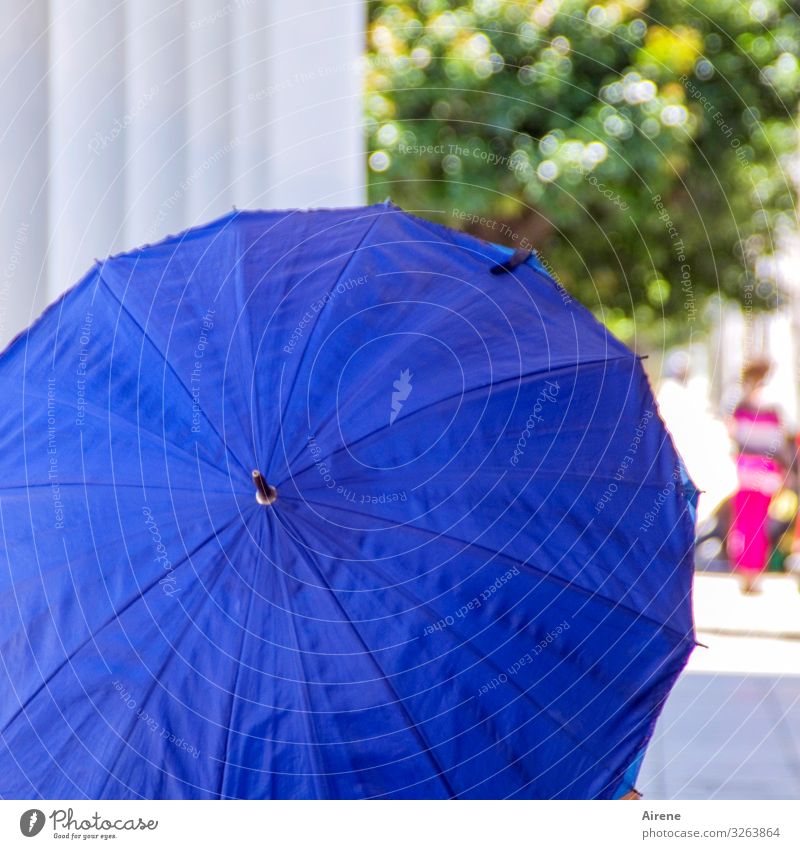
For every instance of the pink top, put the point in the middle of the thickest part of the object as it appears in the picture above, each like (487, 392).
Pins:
(758, 434)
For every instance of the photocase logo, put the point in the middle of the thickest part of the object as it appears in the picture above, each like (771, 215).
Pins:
(31, 822)
(403, 389)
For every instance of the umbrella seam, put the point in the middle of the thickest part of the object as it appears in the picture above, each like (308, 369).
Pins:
(543, 711)
(413, 726)
(117, 613)
(351, 257)
(171, 654)
(426, 407)
(309, 713)
(245, 631)
(160, 440)
(549, 575)
(169, 365)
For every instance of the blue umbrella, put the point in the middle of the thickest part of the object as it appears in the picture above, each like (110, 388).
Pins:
(333, 504)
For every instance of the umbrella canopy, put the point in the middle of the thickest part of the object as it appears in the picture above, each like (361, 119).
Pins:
(334, 504)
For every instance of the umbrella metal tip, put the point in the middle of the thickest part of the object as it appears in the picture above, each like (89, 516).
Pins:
(265, 494)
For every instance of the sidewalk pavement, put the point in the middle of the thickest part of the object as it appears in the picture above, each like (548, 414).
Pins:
(731, 727)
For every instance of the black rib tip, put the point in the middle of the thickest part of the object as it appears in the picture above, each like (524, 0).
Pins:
(516, 259)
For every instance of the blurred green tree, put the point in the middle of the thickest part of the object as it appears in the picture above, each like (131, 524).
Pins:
(643, 148)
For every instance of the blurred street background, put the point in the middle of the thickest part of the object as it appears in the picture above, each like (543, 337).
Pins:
(731, 727)
(647, 150)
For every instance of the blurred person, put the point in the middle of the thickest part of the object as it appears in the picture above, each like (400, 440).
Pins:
(781, 524)
(700, 437)
(792, 562)
(676, 371)
(757, 431)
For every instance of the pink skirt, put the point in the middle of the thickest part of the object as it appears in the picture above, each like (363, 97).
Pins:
(748, 544)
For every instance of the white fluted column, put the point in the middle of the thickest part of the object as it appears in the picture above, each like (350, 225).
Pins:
(87, 136)
(250, 104)
(211, 147)
(159, 114)
(315, 130)
(156, 175)
(23, 167)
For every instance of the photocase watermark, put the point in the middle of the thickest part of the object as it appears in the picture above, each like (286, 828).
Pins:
(102, 139)
(305, 320)
(346, 493)
(218, 14)
(606, 191)
(680, 254)
(80, 371)
(32, 822)
(152, 723)
(206, 325)
(660, 500)
(547, 395)
(402, 390)
(566, 298)
(726, 130)
(525, 660)
(356, 66)
(473, 604)
(499, 227)
(67, 825)
(186, 184)
(508, 233)
(516, 162)
(10, 269)
(322, 467)
(168, 583)
(626, 462)
(365, 498)
(52, 455)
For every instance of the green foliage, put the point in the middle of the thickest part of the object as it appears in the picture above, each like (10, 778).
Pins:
(641, 147)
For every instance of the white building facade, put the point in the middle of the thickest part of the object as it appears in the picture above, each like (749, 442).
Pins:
(129, 120)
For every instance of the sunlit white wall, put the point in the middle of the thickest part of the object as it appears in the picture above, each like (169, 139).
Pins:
(127, 121)
(736, 337)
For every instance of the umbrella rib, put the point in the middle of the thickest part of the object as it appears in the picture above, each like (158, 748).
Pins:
(245, 631)
(464, 641)
(516, 378)
(549, 575)
(93, 484)
(376, 368)
(156, 679)
(543, 710)
(242, 296)
(412, 725)
(306, 347)
(158, 439)
(308, 715)
(175, 374)
(91, 638)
